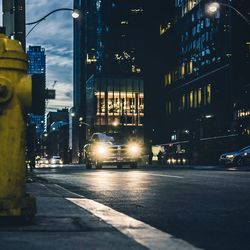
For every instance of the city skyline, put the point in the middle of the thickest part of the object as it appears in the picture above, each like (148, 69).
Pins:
(57, 39)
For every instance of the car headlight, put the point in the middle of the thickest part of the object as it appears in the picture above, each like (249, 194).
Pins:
(46, 162)
(134, 149)
(229, 156)
(100, 151)
(61, 162)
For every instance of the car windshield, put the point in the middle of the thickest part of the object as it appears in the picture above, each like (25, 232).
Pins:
(56, 157)
(117, 138)
(244, 149)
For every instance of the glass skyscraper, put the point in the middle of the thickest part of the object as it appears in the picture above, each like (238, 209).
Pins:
(37, 67)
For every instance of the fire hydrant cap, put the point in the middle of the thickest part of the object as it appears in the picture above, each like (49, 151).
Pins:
(12, 55)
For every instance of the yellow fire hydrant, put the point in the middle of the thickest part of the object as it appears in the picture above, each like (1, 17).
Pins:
(15, 100)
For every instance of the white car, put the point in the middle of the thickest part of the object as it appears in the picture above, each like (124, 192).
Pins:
(56, 160)
(103, 149)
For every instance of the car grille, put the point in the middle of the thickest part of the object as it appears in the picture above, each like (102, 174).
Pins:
(117, 153)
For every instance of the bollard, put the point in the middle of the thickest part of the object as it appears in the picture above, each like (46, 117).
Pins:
(15, 100)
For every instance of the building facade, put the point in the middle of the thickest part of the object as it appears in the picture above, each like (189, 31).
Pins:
(204, 72)
(36, 119)
(57, 136)
(14, 20)
(107, 54)
(37, 69)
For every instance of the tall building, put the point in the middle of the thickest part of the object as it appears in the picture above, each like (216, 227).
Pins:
(58, 134)
(36, 60)
(107, 64)
(205, 73)
(37, 69)
(118, 83)
(120, 30)
(159, 17)
(14, 20)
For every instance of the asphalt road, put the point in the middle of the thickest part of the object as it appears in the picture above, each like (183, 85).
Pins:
(208, 208)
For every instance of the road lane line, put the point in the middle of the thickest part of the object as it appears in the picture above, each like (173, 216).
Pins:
(166, 175)
(139, 231)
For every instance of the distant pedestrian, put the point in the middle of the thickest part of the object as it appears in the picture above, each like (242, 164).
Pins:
(150, 157)
(160, 157)
(32, 163)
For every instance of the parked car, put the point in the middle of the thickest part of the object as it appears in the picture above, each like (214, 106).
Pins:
(56, 160)
(104, 149)
(237, 158)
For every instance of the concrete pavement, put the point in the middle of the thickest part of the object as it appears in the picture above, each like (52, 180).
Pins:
(61, 224)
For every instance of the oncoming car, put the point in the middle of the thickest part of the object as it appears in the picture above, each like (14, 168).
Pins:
(238, 158)
(103, 149)
(56, 160)
(43, 161)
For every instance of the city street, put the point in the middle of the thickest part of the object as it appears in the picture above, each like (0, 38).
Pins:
(208, 208)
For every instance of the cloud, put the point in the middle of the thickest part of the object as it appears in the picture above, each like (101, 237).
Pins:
(55, 34)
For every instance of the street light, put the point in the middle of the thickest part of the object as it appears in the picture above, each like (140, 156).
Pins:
(75, 14)
(81, 122)
(213, 7)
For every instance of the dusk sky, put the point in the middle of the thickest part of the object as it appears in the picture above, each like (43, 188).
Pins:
(55, 34)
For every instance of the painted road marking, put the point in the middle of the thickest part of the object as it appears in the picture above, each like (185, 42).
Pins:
(166, 175)
(139, 231)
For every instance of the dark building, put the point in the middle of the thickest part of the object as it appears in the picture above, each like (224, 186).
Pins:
(57, 138)
(204, 69)
(37, 69)
(36, 119)
(158, 18)
(14, 20)
(61, 115)
(120, 30)
(82, 38)
(106, 55)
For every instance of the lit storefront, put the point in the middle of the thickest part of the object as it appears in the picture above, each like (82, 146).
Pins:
(118, 103)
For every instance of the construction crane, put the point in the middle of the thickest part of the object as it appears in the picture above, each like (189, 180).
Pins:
(53, 86)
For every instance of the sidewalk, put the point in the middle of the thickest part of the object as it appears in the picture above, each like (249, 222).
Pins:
(59, 224)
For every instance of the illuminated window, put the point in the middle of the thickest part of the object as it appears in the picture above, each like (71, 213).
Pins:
(164, 28)
(137, 11)
(183, 101)
(191, 98)
(169, 108)
(138, 70)
(208, 93)
(167, 79)
(124, 22)
(248, 48)
(130, 104)
(187, 5)
(190, 71)
(199, 96)
(183, 69)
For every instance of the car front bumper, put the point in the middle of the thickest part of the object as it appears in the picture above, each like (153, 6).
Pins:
(226, 161)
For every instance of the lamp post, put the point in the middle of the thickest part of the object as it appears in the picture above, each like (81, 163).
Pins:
(213, 7)
(75, 14)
